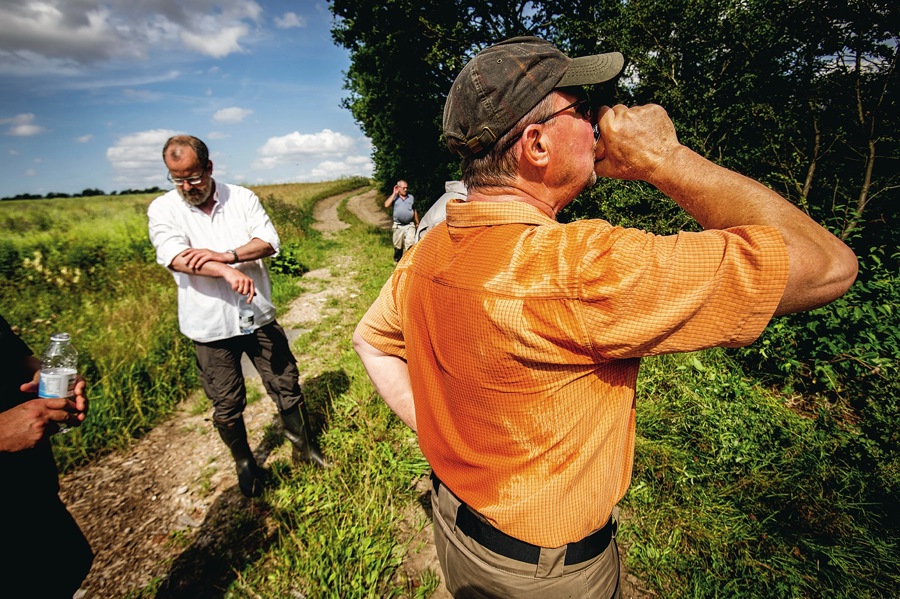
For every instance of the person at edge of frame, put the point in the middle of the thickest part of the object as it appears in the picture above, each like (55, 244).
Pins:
(453, 190)
(46, 553)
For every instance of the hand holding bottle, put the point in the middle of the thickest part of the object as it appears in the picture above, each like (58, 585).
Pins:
(58, 379)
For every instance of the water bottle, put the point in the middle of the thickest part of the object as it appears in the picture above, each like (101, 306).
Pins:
(59, 367)
(245, 315)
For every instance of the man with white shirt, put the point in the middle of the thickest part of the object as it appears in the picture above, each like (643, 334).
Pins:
(213, 237)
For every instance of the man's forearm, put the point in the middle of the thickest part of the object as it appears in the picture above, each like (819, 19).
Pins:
(822, 267)
(210, 268)
(253, 250)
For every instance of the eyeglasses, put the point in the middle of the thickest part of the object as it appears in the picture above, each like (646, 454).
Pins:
(192, 181)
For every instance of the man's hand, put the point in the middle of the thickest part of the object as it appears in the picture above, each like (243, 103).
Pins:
(76, 407)
(240, 282)
(25, 425)
(634, 142)
(195, 258)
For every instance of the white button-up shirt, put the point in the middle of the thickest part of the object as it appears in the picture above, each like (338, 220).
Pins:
(207, 306)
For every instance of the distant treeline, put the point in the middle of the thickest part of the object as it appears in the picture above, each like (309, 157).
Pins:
(84, 194)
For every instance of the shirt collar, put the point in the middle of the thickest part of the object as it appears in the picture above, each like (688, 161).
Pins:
(481, 214)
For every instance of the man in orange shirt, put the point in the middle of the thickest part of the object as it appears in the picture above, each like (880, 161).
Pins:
(511, 343)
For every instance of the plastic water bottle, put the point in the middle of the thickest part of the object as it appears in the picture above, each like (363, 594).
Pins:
(59, 367)
(245, 315)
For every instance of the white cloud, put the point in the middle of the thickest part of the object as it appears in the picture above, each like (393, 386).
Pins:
(59, 36)
(216, 135)
(13, 152)
(22, 125)
(290, 20)
(294, 146)
(350, 166)
(137, 158)
(85, 138)
(137, 80)
(231, 115)
(30, 172)
(219, 44)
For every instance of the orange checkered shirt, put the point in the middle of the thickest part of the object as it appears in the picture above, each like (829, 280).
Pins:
(523, 339)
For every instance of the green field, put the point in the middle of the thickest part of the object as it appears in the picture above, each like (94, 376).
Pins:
(742, 487)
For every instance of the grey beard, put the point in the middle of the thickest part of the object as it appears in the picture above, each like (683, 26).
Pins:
(192, 200)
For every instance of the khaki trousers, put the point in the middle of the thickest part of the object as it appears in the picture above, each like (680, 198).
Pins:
(472, 571)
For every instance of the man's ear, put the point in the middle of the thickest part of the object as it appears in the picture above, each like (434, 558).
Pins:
(209, 167)
(535, 146)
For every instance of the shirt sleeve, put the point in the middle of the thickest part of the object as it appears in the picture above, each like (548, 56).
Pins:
(381, 326)
(259, 223)
(645, 294)
(167, 238)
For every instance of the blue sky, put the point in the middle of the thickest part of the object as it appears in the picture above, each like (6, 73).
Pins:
(89, 92)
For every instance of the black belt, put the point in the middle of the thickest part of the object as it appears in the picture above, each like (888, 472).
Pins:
(501, 543)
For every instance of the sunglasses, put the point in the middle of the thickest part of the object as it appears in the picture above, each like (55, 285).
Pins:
(584, 109)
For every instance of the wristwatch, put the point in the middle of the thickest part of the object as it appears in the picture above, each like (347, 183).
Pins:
(233, 253)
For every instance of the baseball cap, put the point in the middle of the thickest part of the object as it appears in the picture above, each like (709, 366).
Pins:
(502, 83)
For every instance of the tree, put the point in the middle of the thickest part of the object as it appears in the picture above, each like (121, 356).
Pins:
(799, 94)
(404, 58)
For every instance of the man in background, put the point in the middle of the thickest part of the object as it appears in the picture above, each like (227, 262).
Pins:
(453, 190)
(405, 219)
(45, 552)
(213, 238)
(511, 343)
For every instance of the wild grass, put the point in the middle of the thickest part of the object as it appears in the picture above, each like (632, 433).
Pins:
(737, 495)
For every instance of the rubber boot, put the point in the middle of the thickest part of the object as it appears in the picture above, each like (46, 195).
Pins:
(234, 434)
(296, 429)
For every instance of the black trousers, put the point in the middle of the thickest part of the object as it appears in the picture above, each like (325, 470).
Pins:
(223, 379)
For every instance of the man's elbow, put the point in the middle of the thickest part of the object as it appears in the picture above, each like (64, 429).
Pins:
(824, 284)
(359, 344)
(841, 275)
(849, 267)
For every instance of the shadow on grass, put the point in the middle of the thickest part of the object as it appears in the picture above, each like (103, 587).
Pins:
(233, 535)
(319, 392)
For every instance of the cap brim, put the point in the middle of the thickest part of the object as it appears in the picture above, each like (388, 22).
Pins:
(590, 70)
